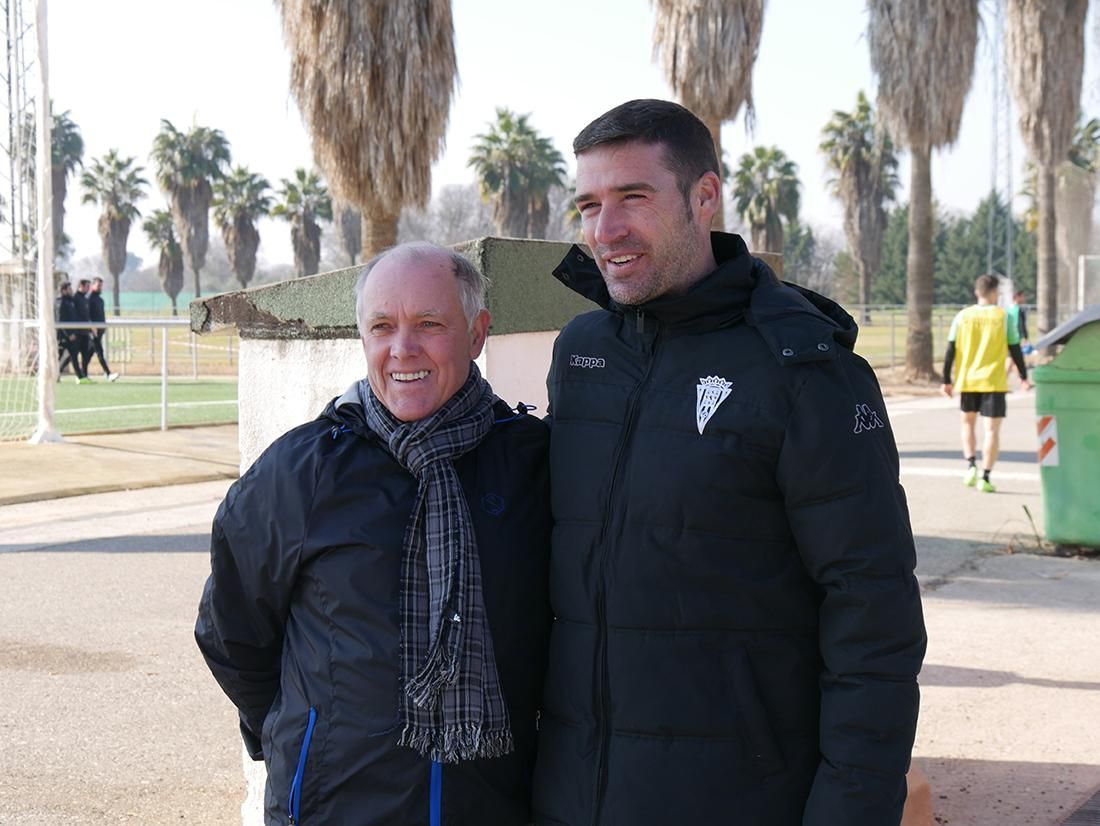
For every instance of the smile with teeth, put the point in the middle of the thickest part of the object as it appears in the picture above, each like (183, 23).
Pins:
(419, 374)
(622, 259)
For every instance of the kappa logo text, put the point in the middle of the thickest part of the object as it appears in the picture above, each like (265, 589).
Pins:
(866, 419)
(587, 362)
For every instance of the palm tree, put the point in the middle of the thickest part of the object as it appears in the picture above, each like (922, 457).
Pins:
(188, 164)
(1045, 45)
(1084, 153)
(862, 160)
(765, 187)
(116, 184)
(240, 199)
(66, 154)
(708, 48)
(923, 54)
(374, 83)
(349, 223)
(162, 237)
(515, 168)
(302, 201)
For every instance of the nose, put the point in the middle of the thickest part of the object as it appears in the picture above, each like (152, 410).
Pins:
(404, 343)
(610, 225)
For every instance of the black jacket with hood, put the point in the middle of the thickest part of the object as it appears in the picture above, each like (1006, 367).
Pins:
(300, 621)
(738, 628)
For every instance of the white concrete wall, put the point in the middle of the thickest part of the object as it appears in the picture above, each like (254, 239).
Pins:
(516, 367)
(283, 383)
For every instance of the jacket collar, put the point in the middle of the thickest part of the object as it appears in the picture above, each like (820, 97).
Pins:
(797, 324)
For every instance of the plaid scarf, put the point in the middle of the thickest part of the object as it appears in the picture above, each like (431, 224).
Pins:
(452, 704)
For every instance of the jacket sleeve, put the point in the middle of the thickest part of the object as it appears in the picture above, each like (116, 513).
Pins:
(838, 470)
(255, 547)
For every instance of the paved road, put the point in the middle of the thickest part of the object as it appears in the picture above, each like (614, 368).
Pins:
(110, 716)
(1010, 713)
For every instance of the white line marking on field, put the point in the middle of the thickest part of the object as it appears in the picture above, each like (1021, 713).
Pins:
(122, 407)
(947, 473)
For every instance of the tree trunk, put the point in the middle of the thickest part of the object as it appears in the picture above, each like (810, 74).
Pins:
(864, 272)
(1046, 280)
(918, 285)
(198, 289)
(115, 278)
(715, 127)
(379, 232)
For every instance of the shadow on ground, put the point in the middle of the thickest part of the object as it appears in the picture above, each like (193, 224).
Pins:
(986, 792)
(157, 543)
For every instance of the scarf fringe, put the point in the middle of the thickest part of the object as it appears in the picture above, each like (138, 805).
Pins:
(438, 672)
(451, 744)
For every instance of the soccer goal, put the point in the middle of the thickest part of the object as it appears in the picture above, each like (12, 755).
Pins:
(28, 346)
(18, 350)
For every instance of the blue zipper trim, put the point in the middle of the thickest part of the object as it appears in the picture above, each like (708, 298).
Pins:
(435, 805)
(296, 783)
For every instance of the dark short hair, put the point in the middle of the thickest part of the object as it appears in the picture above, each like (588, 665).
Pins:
(689, 148)
(987, 284)
(84, 281)
(66, 285)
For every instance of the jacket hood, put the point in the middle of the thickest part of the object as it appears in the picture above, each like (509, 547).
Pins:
(797, 324)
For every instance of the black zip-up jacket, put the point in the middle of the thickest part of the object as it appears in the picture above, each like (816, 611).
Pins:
(300, 621)
(738, 629)
(96, 310)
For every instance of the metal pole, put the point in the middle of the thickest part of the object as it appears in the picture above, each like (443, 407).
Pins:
(47, 334)
(1080, 283)
(164, 378)
(893, 344)
(194, 357)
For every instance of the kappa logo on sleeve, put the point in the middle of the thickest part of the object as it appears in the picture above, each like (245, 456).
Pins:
(587, 362)
(866, 419)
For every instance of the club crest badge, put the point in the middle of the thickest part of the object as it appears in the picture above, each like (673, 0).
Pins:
(709, 394)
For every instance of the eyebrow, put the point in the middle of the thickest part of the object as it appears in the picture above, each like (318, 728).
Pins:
(632, 187)
(422, 314)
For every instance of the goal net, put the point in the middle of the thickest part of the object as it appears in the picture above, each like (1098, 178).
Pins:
(19, 310)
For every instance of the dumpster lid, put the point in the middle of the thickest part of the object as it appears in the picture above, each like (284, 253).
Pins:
(1062, 333)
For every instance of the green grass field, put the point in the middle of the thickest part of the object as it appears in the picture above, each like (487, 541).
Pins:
(130, 402)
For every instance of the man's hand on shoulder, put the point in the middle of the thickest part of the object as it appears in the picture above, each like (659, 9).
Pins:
(947, 390)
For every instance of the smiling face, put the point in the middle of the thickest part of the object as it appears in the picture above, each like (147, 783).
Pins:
(416, 338)
(646, 240)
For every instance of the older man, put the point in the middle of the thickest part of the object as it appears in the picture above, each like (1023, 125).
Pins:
(737, 625)
(377, 605)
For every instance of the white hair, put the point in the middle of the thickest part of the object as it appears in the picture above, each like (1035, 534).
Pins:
(471, 283)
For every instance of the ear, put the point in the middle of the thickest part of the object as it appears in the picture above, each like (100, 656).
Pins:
(479, 331)
(706, 197)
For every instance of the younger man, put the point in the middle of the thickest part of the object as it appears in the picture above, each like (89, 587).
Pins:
(983, 336)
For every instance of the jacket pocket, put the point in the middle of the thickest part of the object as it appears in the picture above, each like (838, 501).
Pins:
(295, 804)
(757, 734)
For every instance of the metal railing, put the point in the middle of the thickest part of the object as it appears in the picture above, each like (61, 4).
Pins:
(125, 338)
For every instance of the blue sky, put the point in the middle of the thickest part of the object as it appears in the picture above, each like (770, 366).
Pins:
(122, 65)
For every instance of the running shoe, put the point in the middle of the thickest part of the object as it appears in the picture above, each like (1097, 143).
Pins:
(985, 486)
(971, 477)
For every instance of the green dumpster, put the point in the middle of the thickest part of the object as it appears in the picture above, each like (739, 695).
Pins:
(1067, 407)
